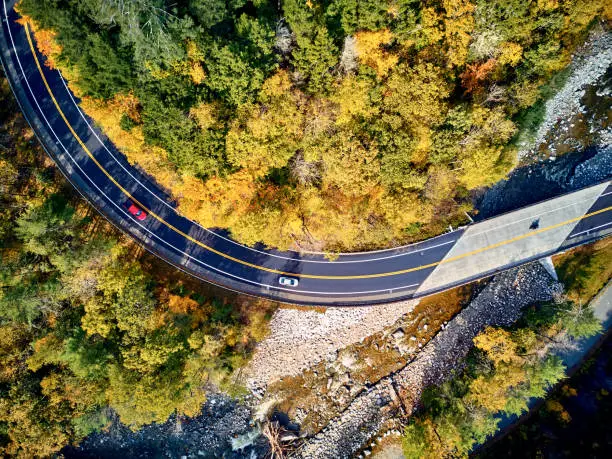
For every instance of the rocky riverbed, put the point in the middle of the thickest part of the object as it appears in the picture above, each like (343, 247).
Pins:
(536, 182)
(223, 426)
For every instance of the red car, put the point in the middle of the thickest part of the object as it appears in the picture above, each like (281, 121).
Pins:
(136, 211)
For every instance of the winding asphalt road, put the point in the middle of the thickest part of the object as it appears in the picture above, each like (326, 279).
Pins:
(104, 177)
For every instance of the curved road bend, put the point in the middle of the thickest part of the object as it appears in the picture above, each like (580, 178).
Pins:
(104, 177)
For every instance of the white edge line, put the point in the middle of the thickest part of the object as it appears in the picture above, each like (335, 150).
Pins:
(93, 131)
(215, 234)
(230, 240)
(590, 230)
(149, 231)
(301, 260)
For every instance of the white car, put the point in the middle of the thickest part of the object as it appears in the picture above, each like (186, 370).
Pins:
(288, 281)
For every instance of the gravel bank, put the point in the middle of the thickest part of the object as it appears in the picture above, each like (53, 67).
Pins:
(499, 303)
(590, 64)
(299, 339)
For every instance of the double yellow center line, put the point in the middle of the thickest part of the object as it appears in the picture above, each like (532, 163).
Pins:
(263, 268)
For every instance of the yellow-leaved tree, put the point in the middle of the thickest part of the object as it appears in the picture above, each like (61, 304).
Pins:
(352, 96)
(266, 135)
(458, 25)
(370, 51)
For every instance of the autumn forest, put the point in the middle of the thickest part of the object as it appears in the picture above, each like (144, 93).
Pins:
(325, 125)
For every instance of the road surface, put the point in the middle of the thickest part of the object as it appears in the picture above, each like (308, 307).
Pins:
(104, 177)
